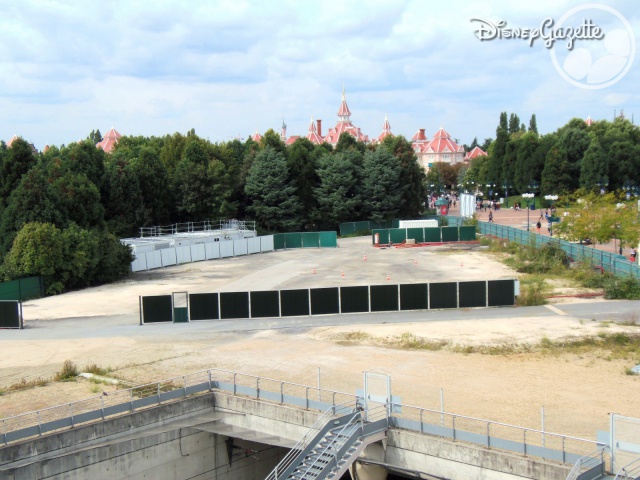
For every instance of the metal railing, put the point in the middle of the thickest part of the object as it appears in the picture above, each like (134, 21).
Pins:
(526, 441)
(630, 471)
(191, 227)
(611, 262)
(303, 443)
(593, 461)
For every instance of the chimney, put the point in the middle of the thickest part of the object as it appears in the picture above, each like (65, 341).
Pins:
(319, 123)
(422, 136)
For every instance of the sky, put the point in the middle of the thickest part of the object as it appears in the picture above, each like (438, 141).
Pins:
(232, 68)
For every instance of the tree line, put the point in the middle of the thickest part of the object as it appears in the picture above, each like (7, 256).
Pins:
(62, 212)
(576, 156)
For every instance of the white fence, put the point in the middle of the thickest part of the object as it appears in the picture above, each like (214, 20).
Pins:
(200, 252)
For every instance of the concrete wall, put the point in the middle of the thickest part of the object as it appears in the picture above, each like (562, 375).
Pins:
(162, 443)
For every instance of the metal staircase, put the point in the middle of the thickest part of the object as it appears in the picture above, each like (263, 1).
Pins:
(589, 467)
(337, 443)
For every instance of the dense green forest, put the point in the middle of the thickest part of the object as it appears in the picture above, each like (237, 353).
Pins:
(63, 212)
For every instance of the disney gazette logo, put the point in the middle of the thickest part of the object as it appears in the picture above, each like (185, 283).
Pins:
(587, 30)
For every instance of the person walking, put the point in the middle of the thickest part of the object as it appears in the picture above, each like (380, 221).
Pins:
(490, 216)
(538, 226)
(634, 254)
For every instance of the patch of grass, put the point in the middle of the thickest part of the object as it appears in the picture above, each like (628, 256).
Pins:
(621, 288)
(532, 291)
(628, 371)
(408, 341)
(27, 384)
(96, 370)
(69, 371)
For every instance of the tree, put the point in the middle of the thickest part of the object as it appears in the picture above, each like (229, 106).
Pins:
(95, 137)
(153, 181)
(122, 197)
(556, 175)
(17, 161)
(412, 176)
(348, 141)
(302, 168)
(533, 124)
(382, 186)
(514, 123)
(271, 193)
(594, 165)
(338, 195)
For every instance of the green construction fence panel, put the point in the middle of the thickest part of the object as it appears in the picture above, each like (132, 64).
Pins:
(180, 315)
(472, 294)
(362, 226)
(292, 240)
(354, 299)
(347, 228)
(294, 303)
(443, 295)
(397, 235)
(414, 296)
(416, 233)
(383, 233)
(265, 304)
(325, 301)
(395, 223)
(234, 305)
(157, 309)
(203, 306)
(10, 314)
(450, 234)
(501, 293)
(328, 239)
(22, 289)
(311, 240)
(278, 241)
(468, 234)
(432, 235)
(384, 298)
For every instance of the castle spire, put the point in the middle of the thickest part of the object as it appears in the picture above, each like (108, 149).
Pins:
(343, 112)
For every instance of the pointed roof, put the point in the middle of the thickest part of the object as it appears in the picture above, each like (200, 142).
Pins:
(442, 143)
(13, 139)
(343, 112)
(109, 141)
(312, 135)
(589, 121)
(419, 136)
(475, 152)
(291, 139)
(256, 137)
(386, 129)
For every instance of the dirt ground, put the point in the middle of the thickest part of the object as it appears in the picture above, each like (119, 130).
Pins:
(100, 326)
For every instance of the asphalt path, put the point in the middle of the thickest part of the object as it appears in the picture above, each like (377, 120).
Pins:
(129, 326)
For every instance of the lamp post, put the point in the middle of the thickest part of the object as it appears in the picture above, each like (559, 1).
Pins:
(505, 187)
(528, 197)
(551, 198)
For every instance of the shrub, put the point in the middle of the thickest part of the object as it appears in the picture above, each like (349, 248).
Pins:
(69, 370)
(621, 288)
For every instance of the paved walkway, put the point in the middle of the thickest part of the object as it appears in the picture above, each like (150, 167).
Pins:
(518, 219)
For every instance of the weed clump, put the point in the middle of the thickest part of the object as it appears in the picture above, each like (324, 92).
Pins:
(69, 371)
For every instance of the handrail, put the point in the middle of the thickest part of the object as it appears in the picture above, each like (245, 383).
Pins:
(203, 226)
(631, 471)
(586, 463)
(303, 442)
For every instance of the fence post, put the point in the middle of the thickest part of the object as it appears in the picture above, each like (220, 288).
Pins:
(488, 434)
(281, 393)
(453, 423)
(306, 398)
(421, 422)
(524, 441)
(258, 388)
(234, 383)
(39, 425)
(564, 460)
(209, 372)
(4, 429)
(131, 398)
(71, 413)
(157, 392)
(102, 406)
(184, 383)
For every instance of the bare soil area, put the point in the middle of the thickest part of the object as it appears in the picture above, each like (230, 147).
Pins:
(577, 391)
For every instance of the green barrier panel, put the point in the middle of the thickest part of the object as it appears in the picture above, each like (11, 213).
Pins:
(468, 234)
(328, 240)
(450, 234)
(181, 315)
(361, 226)
(265, 304)
(325, 301)
(432, 235)
(292, 240)
(443, 295)
(157, 308)
(416, 233)
(384, 298)
(472, 294)
(22, 289)
(383, 233)
(501, 293)
(397, 235)
(395, 223)
(348, 228)
(311, 240)
(354, 299)
(278, 241)
(234, 305)
(294, 303)
(414, 296)
(204, 306)
(9, 314)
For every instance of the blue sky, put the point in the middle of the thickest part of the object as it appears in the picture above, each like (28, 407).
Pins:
(230, 68)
